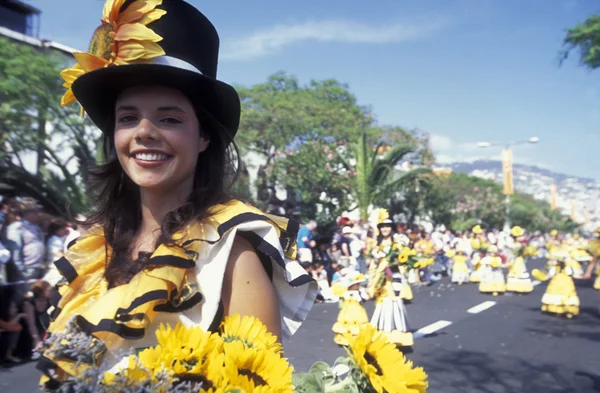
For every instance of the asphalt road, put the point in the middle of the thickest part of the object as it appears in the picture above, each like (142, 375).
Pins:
(503, 344)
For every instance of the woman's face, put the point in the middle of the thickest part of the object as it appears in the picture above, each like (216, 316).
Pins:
(158, 138)
(386, 231)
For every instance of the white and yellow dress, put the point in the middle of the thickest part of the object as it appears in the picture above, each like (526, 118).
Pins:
(518, 278)
(351, 318)
(460, 269)
(561, 296)
(477, 268)
(390, 313)
(492, 277)
(180, 283)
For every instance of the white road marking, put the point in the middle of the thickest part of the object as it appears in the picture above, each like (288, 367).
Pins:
(434, 327)
(481, 307)
(536, 283)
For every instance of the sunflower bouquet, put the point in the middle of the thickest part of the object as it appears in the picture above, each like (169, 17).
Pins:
(372, 365)
(242, 358)
(526, 251)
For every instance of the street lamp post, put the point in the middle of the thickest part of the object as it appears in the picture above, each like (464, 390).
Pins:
(507, 170)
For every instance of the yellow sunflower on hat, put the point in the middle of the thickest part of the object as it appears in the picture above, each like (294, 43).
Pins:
(517, 231)
(123, 37)
(553, 233)
(477, 230)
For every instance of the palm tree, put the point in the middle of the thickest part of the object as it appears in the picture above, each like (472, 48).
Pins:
(376, 179)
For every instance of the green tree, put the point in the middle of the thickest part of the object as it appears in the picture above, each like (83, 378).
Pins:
(374, 166)
(585, 37)
(32, 124)
(282, 115)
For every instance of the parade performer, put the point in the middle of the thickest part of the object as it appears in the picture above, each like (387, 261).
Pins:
(518, 278)
(352, 315)
(390, 313)
(479, 245)
(492, 278)
(561, 297)
(387, 239)
(168, 243)
(477, 271)
(425, 249)
(460, 269)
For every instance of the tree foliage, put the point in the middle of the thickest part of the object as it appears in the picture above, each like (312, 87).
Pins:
(318, 144)
(34, 126)
(459, 201)
(584, 37)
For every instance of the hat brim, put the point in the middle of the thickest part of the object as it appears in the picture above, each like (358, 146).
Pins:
(386, 224)
(98, 91)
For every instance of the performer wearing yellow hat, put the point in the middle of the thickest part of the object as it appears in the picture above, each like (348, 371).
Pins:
(518, 278)
(460, 269)
(168, 244)
(561, 296)
(492, 278)
(390, 313)
(352, 315)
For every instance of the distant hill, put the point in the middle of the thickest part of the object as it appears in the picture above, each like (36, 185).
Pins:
(580, 194)
(496, 166)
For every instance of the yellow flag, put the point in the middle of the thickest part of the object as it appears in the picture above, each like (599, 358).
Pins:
(553, 196)
(507, 170)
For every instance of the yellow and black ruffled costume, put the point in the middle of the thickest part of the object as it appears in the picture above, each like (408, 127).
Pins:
(179, 283)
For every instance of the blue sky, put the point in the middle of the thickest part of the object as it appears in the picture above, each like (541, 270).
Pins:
(462, 70)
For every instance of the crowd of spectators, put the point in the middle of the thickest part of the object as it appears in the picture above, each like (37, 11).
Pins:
(30, 241)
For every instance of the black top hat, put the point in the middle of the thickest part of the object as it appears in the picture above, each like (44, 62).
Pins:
(191, 46)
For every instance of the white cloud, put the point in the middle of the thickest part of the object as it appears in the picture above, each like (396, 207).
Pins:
(264, 42)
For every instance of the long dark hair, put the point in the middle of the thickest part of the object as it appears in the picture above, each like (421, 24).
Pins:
(117, 204)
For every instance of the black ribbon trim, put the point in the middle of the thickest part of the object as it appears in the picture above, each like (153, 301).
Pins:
(55, 313)
(215, 325)
(264, 247)
(171, 260)
(45, 365)
(301, 280)
(109, 325)
(66, 269)
(159, 294)
(169, 307)
(240, 219)
(290, 235)
(72, 242)
(254, 239)
(55, 297)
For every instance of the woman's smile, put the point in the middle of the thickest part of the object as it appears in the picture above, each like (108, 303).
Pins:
(151, 158)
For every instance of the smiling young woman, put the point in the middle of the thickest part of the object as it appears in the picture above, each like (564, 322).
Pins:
(168, 243)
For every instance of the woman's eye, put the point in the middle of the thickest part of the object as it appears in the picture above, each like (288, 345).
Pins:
(127, 119)
(171, 120)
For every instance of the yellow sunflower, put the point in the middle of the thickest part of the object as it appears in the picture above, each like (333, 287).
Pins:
(189, 354)
(477, 230)
(383, 215)
(123, 37)
(383, 364)
(260, 369)
(403, 258)
(250, 331)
